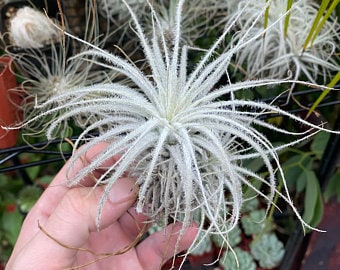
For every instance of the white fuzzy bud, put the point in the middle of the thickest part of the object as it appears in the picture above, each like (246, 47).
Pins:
(31, 28)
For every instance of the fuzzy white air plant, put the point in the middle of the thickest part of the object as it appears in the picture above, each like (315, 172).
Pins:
(51, 72)
(31, 28)
(180, 138)
(196, 20)
(281, 50)
(116, 11)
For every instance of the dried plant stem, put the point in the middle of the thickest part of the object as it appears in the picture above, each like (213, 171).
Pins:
(100, 256)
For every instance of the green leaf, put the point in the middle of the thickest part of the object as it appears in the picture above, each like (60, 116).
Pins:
(319, 143)
(286, 24)
(318, 212)
(28, 197)
(315, 24)
(45, 180)
(301, 181)
(325, 17)
(294, 169)
(324, 93)
(12, 222)
(33, 172)
(313, 200)
(266, 16)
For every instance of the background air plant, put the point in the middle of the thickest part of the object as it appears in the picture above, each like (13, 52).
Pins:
(31, 28)
(182, 140)
(196, 18)
(117, 12)
(282, 48)
(47, 73)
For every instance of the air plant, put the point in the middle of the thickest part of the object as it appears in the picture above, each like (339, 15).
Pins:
(31, 28)
(242, 260)
(116, 11)
(283, 49)
(176, 133)
(45, 75)
(196, 17)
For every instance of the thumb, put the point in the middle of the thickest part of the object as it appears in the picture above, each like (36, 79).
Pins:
(72, 222)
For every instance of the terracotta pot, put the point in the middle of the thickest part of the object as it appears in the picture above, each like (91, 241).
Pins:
(9, 102)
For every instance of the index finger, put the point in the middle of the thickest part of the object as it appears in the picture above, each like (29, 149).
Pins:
(54, 194)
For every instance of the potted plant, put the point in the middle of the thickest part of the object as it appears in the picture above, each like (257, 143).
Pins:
(9, 102)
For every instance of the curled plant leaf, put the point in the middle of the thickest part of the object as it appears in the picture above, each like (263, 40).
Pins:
(268, 250)
(243, 260)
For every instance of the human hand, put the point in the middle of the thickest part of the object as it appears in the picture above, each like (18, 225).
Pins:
(68, 237)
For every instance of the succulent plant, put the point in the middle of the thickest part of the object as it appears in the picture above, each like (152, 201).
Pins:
(250, 205)
(203, 244)
(268, 250)
(240, 260)
(254, 222)
(233, 237)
